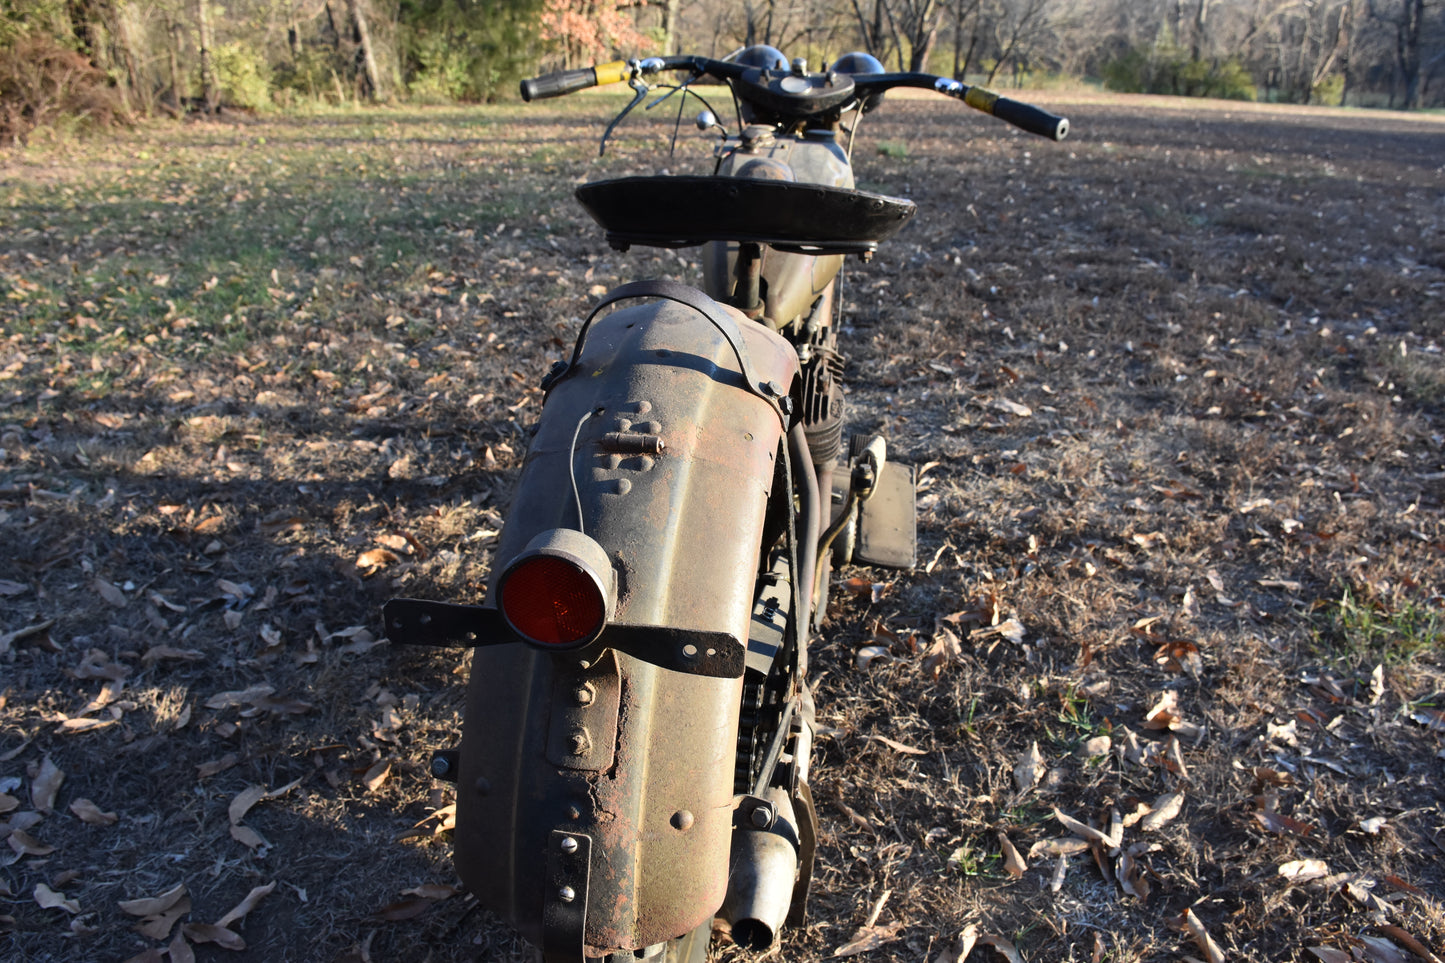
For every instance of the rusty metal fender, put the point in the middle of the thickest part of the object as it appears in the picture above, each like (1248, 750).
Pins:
(637, 758)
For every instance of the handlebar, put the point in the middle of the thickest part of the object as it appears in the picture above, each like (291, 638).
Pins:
(570, 81)
(1026, 117)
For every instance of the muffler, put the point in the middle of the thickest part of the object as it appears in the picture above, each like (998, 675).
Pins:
(762, 870)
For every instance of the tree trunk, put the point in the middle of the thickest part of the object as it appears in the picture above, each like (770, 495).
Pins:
(365, 55)
(921, 52)
(669, 26)
(209, 90)
(1196, 46)
(173, 60)
(1412, 16)
(125, 46)
(1347, 60)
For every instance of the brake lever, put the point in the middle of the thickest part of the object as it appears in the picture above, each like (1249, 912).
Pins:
(640, 86)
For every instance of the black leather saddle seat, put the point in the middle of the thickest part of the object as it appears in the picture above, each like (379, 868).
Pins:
(668, 211)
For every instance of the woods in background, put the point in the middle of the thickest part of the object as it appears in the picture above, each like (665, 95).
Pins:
(101, 60)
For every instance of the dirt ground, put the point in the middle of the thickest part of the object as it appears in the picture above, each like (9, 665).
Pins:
(1167, 682)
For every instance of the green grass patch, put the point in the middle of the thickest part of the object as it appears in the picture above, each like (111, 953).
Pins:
(1359, 632)
(204, 239)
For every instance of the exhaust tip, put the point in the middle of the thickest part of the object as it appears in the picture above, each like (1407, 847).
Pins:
(753, 934)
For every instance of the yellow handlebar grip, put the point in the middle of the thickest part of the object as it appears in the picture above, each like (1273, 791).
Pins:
(613, 73)
(981, 99)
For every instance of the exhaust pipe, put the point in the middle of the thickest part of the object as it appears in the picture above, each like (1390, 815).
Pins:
(763, 869)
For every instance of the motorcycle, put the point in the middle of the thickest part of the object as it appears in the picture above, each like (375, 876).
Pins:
(634, 758)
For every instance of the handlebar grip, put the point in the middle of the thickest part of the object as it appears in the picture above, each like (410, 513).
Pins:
(569, 81)
(1021, 115)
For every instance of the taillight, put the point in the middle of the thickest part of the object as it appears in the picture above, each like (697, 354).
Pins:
(559, 591)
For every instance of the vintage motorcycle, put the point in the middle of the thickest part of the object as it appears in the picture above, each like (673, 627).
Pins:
(634, 755)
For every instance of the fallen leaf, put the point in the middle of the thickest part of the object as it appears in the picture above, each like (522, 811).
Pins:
(1002, 946)
(1165, 712)
(404, 909)
(243, 802)
(207, 769)
(963, 946)
(26, 845)
(75, 727)
(433, 824)
(1380, 950)
(1431, 718)
(869, 938)
(1180, 656)
(946, 648)
(376, 558)
(1373, 825)
(1330, 955)
(1163, 810)
(432, 891)
(1013, 863)
(158, 926)
(112, 594)
(1062, 846)
(1029, 768)
(158, 652)
(211, 933)
(1277, 823)
(153, 905)
(1301, 870)
(1191, 925)
(1081, 829)
(248, 837)
(8, 587)
(239, 911)
(863, 589)
(8, 803)
(225, 700)
(868, 654)
(1412, 944)
(376, 775)
(45, 786)
(180, 951)
(50, 899)
(898, 746)
(1012, 407)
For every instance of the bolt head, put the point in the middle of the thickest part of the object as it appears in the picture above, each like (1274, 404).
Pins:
(580, 743)
(584, 695)
(440, 766)
(762, 817)
(566, 894)
(569, 845)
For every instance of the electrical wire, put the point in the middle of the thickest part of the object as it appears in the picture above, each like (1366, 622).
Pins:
(572, 468)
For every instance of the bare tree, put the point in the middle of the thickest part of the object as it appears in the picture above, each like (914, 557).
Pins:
(365, 54)
(1017, 32)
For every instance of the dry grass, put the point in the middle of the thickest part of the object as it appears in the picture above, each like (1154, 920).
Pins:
(1226, 328)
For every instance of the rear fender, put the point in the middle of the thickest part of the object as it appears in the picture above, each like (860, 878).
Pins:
(636, 758)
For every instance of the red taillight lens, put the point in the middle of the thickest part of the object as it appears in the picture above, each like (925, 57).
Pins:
(551, 601)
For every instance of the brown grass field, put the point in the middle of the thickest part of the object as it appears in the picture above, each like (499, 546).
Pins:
(1174, 387)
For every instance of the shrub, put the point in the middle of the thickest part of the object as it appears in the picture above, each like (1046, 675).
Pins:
(42, 84)
(1167, 69)
(243, 75)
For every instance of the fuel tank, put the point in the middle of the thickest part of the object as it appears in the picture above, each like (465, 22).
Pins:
(792, 282)
(633, 761)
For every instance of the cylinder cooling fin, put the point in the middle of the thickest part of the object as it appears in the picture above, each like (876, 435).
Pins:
(823, 404)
